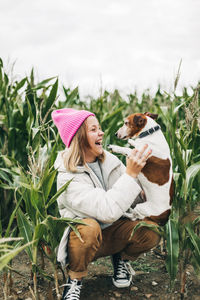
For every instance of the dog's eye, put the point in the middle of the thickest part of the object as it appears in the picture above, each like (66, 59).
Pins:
(126, 123)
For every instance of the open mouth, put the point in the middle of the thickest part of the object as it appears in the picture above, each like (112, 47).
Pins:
(124, 137)
(98, 143)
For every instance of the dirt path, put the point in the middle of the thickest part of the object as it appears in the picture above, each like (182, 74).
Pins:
(150, 282)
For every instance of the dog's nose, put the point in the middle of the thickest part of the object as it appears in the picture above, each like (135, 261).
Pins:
(115, 133)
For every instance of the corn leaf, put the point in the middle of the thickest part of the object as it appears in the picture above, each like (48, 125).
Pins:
(172, 248)
(59, 192)
(179, 160)
(26, 231)
(52, 96)
(191, 173)
(19, 86)
(195, 240)
(11, 219)
(6, 258)
(38, 233)
(36, 201)
(153, 227)
(47, 183)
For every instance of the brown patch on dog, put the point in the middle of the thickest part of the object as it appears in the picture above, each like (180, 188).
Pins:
(171, 191)
(135, 123)
(157, 170)
(162, 218)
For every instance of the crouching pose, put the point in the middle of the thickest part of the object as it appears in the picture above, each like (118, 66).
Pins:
(101, 191)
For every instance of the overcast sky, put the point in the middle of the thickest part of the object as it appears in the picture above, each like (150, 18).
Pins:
(124, 44)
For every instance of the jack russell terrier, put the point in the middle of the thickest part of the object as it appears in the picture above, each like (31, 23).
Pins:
(156, 177)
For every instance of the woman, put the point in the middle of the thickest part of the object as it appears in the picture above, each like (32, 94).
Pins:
(101, 191)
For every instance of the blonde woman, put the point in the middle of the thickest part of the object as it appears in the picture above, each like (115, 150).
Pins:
(101, 191)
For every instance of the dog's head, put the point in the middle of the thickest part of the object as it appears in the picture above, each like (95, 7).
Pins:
(133, 125)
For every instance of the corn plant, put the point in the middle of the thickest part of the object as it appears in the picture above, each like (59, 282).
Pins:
(181, 119)
(7, 253)
(35, 199)
(24, 115)
(29, 143)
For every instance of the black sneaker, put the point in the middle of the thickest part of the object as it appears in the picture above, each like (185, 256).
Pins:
(123, 272)
(72, 289)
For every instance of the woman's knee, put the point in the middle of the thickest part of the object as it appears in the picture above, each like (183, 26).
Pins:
(91, 232)
(145, 239)
(154, 239)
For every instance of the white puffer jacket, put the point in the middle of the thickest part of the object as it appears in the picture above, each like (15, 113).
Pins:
(85, 196)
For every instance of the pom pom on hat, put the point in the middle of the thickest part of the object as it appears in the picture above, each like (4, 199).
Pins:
(68, 121)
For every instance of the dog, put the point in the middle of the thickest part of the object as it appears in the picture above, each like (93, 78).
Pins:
(156, 177)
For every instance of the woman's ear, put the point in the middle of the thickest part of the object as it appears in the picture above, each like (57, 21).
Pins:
(153, 116)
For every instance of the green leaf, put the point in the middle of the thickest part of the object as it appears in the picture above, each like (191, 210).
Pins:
(34, 131)
(71, 97)
(111, 115)
(39, 232)
(196, 221)
(4, 175)
(179, 160)
(172, 248)
(42, 84)
(11, 219)
(59, 192)
(1, 63)
(153, 227)
(195, 240)
(30, 119)
(9, 239)
(26, 230)
(191, 173)
(19, 86)
(176, 109)
(47, 183)
(7, 187)
(52, 96)
(56, 227)
(76, 232)
(6, 258)
(36, 201)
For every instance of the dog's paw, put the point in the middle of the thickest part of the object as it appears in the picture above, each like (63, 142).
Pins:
(110, 147)
(131, 142)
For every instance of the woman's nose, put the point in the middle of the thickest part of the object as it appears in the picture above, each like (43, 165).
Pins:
(101, 132)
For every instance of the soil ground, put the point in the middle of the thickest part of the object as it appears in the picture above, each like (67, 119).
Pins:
(150, 282)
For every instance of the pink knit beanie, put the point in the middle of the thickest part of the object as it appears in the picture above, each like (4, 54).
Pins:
(68, 121)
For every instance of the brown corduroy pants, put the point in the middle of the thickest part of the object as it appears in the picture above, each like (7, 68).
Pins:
(98, 243)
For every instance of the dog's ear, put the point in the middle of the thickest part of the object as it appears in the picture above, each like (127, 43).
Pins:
(153, 116)
(139, 120)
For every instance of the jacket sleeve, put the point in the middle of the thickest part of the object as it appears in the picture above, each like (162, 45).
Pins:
(106, 206)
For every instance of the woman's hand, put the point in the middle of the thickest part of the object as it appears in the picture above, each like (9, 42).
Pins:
(136, 161)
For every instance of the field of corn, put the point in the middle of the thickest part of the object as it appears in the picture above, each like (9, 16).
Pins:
(29, 143)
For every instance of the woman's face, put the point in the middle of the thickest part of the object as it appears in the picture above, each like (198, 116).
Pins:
(95, 137)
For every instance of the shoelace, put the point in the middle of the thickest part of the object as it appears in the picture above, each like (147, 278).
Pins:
(74, 291)
(123, 268)
(129, 268)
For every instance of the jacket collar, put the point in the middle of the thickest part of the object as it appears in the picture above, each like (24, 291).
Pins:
(110, 163)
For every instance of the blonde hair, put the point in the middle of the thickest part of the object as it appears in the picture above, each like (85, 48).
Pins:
(75, 155)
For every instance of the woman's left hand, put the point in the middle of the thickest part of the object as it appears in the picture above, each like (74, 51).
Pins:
(137, 160)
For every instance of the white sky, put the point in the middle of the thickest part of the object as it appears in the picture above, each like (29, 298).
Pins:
(124, 44)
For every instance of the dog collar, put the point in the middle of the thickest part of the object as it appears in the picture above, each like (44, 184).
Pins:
(149, 131)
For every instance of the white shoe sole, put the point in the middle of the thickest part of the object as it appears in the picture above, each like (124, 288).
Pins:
(122, 285)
